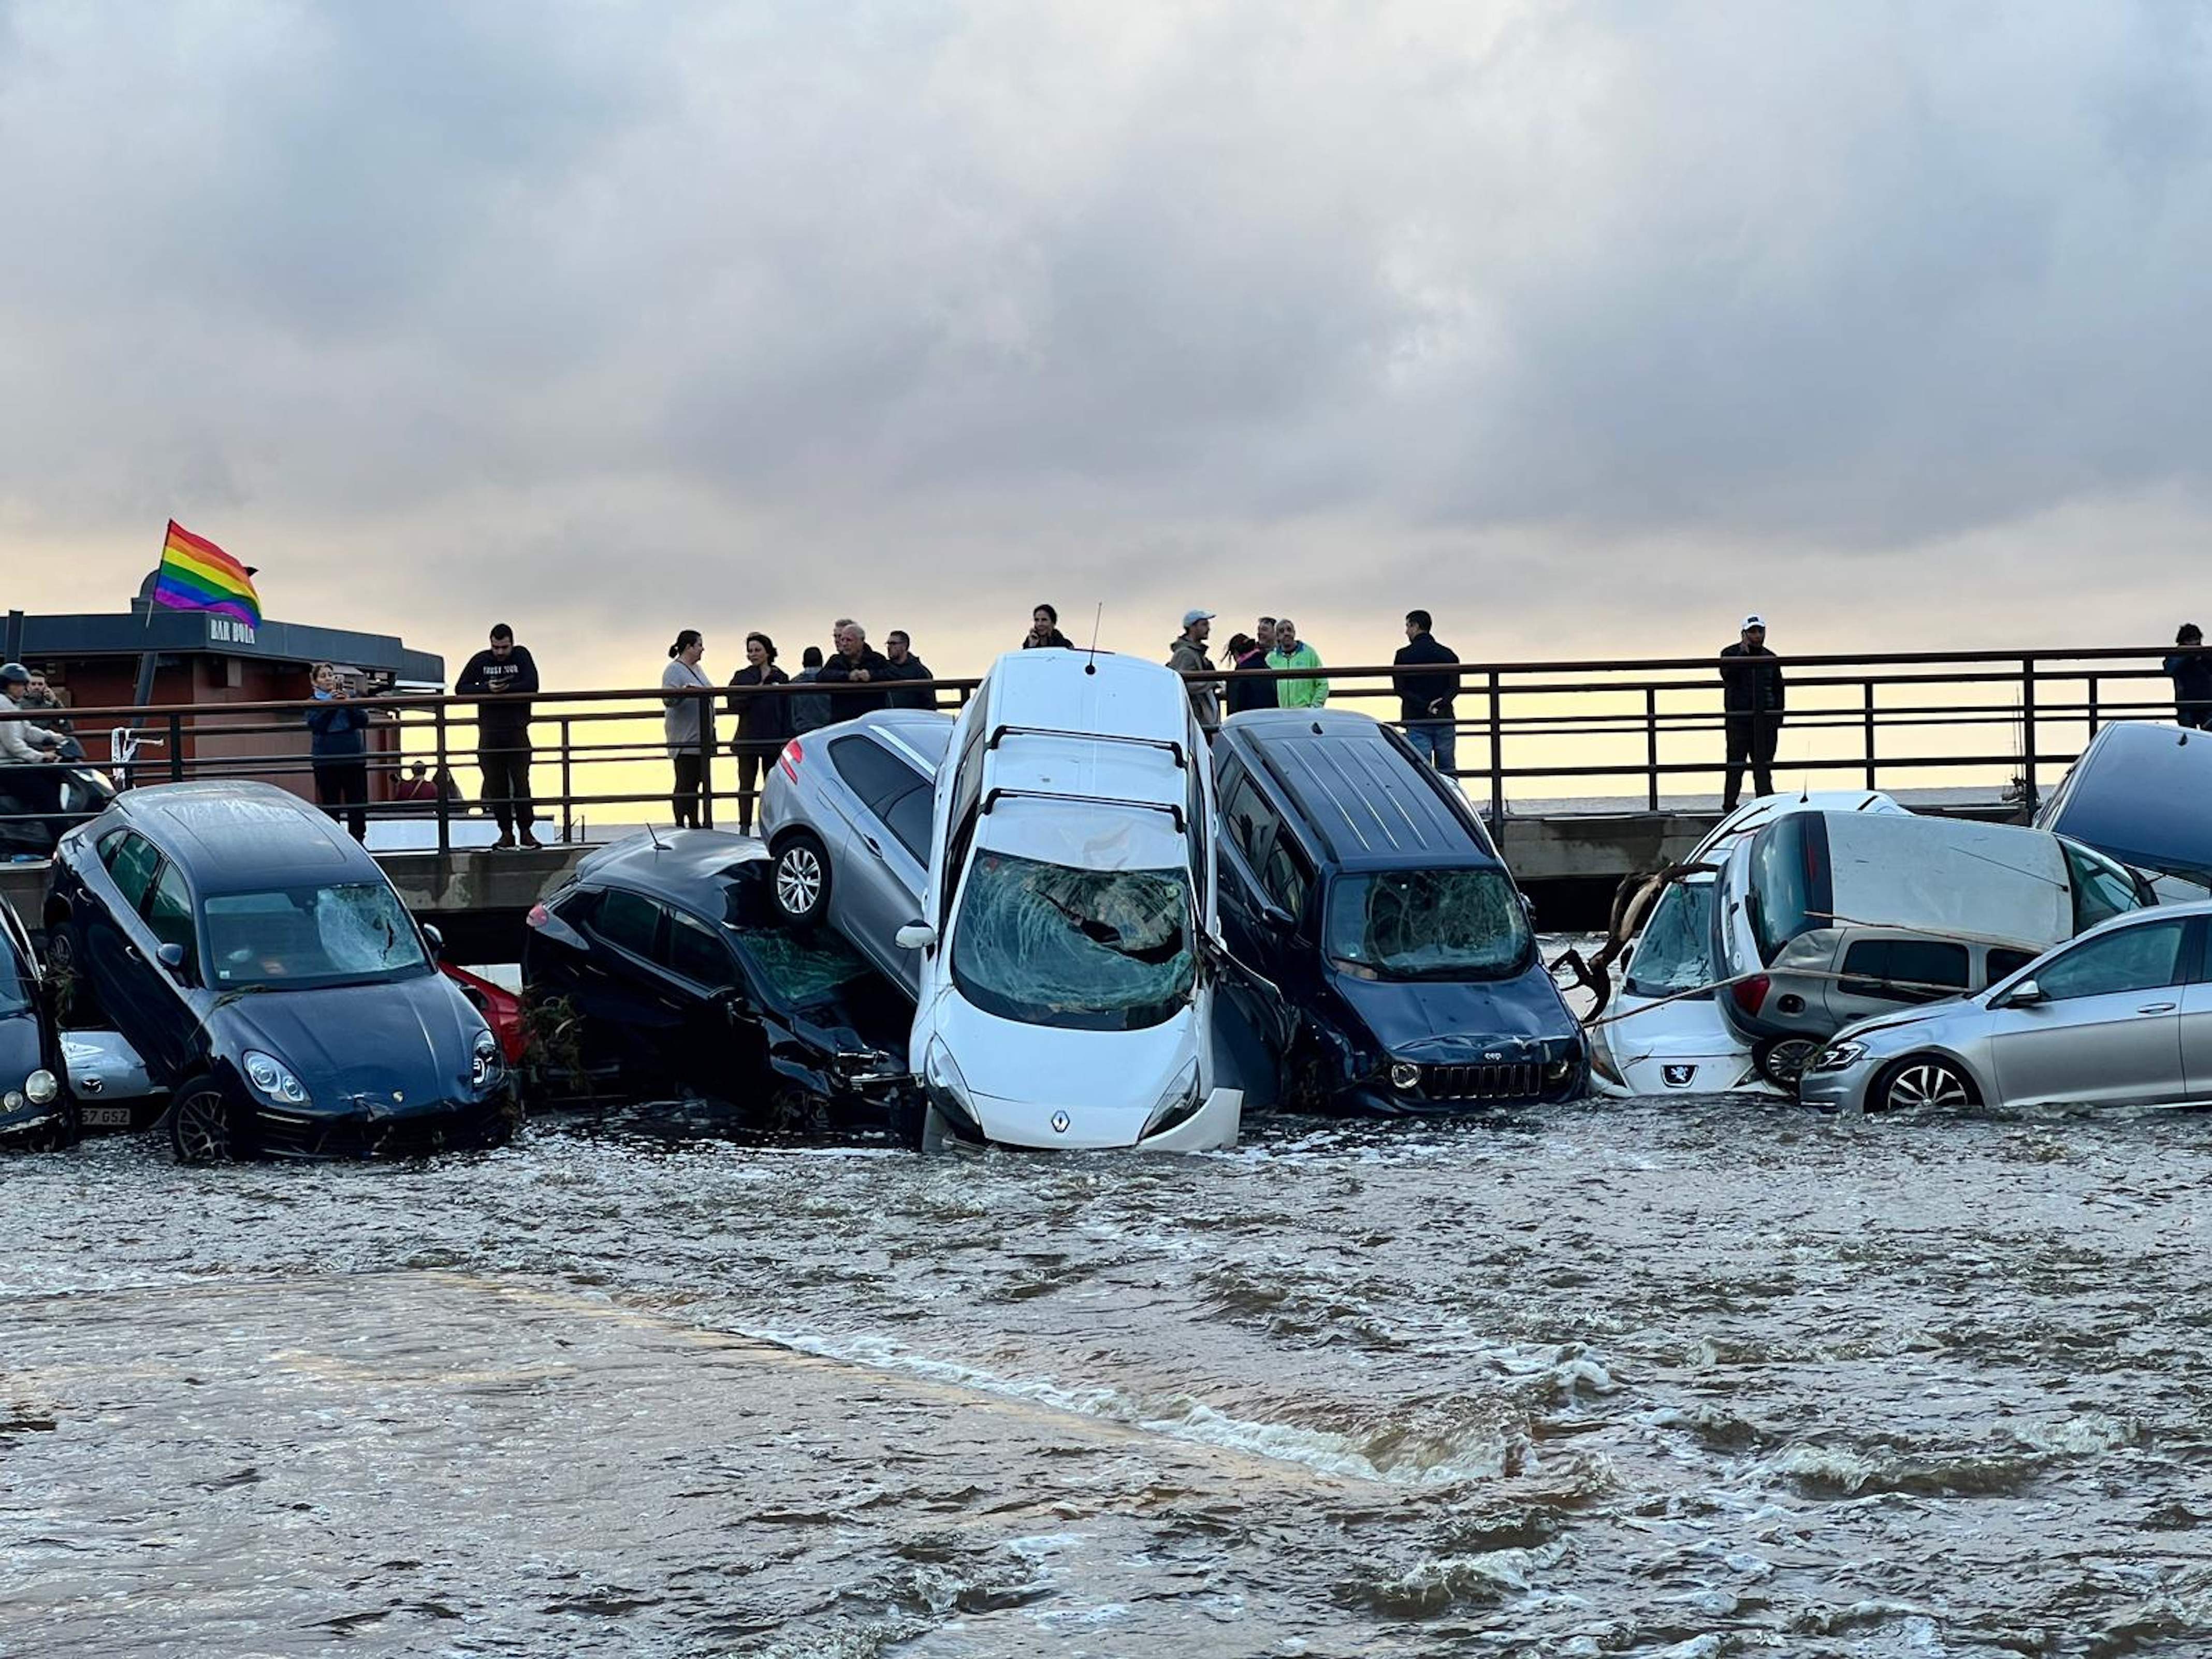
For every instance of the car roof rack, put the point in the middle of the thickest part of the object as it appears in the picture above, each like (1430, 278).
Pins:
(1000, 732)
(1167, 807)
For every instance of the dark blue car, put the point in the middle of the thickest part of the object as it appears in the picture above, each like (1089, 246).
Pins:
(261, 964)
(1359, 881)
(35, 1100)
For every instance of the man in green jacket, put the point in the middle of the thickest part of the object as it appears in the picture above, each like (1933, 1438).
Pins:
(1291, 652)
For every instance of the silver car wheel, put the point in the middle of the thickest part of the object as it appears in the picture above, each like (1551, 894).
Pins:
(1783, 1062)
(798, 879)
(1927, 1085)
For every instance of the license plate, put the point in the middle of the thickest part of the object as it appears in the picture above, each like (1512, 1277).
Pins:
(105, 1117)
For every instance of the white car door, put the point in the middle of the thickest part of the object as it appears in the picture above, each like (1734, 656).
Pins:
(2107, 1028)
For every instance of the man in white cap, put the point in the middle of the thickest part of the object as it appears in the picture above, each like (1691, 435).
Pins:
(1751, 697)
(1186, 656)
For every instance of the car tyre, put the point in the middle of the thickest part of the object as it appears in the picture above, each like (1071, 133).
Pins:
(202, 1126)
(801, 878)
(1921, 1083)
(1782, 1060)
(76, 1004)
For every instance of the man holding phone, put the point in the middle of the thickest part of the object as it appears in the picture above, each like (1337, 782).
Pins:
(506, 676)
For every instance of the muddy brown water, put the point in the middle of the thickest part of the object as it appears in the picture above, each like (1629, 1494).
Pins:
(1641, 1379)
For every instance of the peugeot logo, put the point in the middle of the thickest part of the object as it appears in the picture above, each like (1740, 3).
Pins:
(1678, 1077)
(1060, 1123)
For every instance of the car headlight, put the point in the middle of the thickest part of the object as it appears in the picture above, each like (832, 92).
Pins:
(486, 1063)
(273, 1080)
(13, 1100)
(1559, 1071)
(948, 1090)
(40, 1088)
(1837, 1056)
(1405, 1075)
(1179, 1101)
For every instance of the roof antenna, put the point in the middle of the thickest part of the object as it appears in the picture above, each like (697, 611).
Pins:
(658, 845)
(1091, 667)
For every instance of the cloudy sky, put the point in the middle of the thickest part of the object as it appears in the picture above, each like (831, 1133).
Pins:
(1586, 325)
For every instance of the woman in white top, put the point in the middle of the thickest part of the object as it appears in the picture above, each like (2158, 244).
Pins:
(688, 724)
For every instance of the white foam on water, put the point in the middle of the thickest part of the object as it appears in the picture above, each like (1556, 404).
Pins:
(2090, 1432)
(1180, 1417)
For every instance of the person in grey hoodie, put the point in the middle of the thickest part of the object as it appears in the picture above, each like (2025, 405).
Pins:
(1186, 656)
(687, 722)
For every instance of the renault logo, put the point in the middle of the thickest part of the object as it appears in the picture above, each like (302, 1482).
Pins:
(1678, 1077)
(1060, 1123)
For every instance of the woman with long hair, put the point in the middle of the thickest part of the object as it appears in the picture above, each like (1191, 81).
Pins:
(1044, 630)
(763, 723)
(687, 722)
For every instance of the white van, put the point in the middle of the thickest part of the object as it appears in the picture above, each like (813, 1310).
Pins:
(1069, 943)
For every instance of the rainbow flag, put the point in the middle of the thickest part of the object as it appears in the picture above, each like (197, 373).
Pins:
(197, 575)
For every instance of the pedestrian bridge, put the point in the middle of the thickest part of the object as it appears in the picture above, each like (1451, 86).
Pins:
(1590, 770)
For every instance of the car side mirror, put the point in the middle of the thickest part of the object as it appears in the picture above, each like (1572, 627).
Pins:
(2024, 994)
(171, 956)
(435, 939)
(917, 936)
(1527, 905)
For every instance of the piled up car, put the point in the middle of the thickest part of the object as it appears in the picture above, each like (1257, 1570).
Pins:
(1118, 934)
(263, 986)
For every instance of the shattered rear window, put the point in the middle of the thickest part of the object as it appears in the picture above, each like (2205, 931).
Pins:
(804, 967)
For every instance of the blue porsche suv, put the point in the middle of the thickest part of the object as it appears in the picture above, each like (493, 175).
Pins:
(261, 963)
(1360, 882)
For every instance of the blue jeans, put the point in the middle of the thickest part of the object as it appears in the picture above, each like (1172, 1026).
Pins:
(1437, 740)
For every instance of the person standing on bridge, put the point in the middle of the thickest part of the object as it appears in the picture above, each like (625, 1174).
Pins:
(2191, 669)
(1425, 699)
(901, 664)
(1291, 652)
(1044, 631)
(1248, 655)
(338, 748)
(1186, 656)
(1752, 700)
(764, 723)
(809, 712)
(856, 664)
(506, 674)
(687, 724)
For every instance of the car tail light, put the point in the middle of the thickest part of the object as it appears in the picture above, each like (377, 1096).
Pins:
(539, 916)
(1750, 993)
(794, 752)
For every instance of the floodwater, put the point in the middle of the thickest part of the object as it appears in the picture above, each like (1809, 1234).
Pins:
(1641, 1379)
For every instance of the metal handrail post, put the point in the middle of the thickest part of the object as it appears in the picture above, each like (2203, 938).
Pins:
(2027, 791)
(2092, 704)
(176, 748)
(1870, 783)
(440, 774)
(1651, 746)
(567, 785)
(706, 760)
(1497, 750)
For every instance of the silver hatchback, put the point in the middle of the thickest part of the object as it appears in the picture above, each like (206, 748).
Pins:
(846, 814)
(2120, 1016)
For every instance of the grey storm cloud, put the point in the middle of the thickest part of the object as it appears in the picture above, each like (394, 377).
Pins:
(1104, 284)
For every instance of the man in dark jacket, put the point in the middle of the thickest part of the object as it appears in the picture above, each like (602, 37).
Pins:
(2191, 667)
(901, 664)
(507, 673)
(854, 665)
(1424, 699)
(1751, 696)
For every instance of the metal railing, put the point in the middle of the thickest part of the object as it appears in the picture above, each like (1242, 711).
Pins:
(1630, 731)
